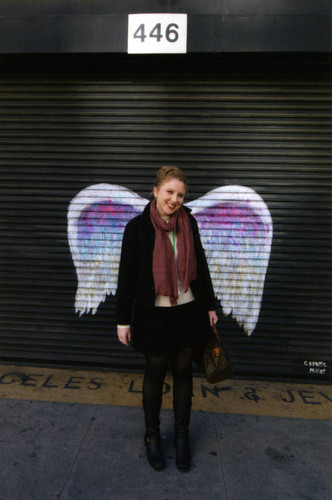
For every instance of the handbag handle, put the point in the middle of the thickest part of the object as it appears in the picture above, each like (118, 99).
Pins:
(215, 331)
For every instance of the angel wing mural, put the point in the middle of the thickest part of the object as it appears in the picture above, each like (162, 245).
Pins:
(236, 231)
(97, 217)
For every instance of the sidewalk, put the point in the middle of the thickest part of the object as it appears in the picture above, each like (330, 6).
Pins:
(54, 450)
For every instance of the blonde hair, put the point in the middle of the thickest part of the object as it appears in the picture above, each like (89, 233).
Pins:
(168, 172)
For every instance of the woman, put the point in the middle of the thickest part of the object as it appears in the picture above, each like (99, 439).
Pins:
(164, 275)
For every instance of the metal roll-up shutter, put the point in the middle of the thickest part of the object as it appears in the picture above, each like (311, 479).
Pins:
(70, 122)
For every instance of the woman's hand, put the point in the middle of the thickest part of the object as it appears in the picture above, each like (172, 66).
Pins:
(124, 335)
(213, 317)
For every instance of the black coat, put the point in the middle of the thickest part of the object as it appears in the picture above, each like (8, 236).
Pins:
(135, 281)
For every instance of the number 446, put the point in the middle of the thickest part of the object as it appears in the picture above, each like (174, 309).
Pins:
(171, 34)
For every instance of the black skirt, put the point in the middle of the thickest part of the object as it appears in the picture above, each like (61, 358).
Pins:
(161, 330)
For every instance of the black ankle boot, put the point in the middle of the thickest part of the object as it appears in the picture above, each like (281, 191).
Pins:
(181, 442)
(152, 438)
(154, 454)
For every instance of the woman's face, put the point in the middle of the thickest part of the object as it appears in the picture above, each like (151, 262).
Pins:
(169, 196)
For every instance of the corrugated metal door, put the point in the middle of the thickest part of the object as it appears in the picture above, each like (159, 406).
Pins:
(70, 122)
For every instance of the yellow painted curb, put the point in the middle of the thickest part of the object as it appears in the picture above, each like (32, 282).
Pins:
(125, 389)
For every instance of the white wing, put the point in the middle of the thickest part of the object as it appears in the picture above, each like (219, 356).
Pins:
(97, 217)
(236, 230)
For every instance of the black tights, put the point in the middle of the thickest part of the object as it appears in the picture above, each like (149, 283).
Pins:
(156, 368)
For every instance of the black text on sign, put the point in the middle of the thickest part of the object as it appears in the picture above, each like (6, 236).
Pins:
(157, 33)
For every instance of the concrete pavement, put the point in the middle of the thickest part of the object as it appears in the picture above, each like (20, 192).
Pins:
(56, 450)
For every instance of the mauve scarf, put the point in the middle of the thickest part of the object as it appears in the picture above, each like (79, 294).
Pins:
(164, 266)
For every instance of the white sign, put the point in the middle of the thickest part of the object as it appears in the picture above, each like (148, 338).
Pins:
(157, 33)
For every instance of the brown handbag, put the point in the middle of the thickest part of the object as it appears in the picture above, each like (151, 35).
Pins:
(217, 364)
